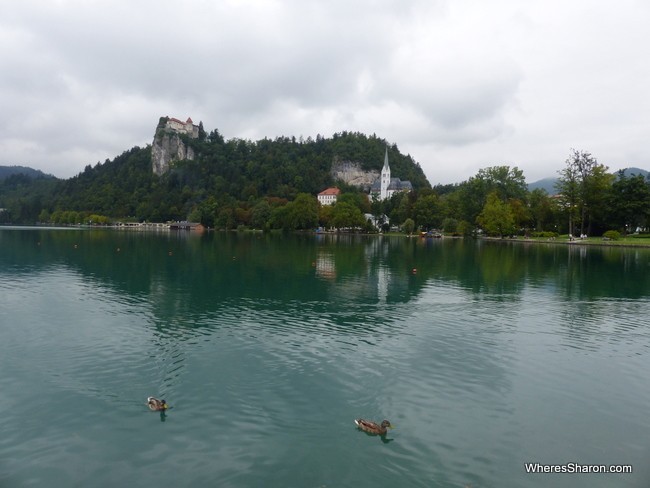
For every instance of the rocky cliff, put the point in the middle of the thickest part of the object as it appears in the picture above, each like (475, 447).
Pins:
(351, 173)
(168, 146)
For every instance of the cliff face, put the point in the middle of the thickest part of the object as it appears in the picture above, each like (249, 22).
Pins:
(168, 146)
(352, 174)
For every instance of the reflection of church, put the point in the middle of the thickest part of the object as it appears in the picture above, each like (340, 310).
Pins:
(372, 279)
(386, 187)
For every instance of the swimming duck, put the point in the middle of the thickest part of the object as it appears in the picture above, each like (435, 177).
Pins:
(156, 405)
(372, 427)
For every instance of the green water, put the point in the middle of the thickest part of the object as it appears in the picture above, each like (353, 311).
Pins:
(487, 357)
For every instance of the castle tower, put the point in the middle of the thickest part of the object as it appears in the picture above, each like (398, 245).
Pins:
(385, 178)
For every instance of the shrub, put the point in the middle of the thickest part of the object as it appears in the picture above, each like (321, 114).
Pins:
(450, 225)
(464, 228)
(546, 234)
(613, 235)
(408, 226)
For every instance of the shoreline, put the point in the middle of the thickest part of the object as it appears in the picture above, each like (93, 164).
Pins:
(566, 242)
(198, 229)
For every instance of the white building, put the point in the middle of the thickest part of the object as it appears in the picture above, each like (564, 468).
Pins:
(386, 186)
(328, 196)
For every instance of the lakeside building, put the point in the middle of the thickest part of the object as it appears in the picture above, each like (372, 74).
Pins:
(329, 196)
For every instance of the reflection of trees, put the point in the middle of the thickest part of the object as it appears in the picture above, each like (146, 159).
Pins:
(502, 269)
(481, 267)
(588, 274)
(179, 274)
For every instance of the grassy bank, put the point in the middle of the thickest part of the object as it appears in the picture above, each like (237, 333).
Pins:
(640, 240)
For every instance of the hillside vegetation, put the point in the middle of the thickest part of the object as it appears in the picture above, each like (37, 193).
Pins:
(7, 171)
(234, 175)
(272, 184)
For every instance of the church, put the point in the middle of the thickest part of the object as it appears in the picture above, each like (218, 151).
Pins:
(386, 187)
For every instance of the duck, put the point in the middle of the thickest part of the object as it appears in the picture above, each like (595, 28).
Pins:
(373, 427)
(157, 405)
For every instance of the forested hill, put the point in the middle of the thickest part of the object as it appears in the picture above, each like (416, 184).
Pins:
(8, 171)
(232, 174)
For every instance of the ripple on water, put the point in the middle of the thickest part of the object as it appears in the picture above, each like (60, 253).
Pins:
(264, 391)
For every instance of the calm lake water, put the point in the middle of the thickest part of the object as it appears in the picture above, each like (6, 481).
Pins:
(490, 356)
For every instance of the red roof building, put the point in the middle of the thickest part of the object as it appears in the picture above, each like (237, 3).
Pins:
(328, 196)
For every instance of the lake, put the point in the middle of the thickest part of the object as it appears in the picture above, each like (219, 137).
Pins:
(485, 356)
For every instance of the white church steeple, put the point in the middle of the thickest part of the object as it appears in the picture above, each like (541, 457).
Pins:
(385, 178)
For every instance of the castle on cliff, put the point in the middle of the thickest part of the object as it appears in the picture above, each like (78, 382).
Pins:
(168, 145)
(186, 127)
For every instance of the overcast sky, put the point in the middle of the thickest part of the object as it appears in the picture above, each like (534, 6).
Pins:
(457, 84)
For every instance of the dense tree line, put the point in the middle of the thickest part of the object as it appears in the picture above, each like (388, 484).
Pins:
(272, 184)
(496, 201)
(230, 183)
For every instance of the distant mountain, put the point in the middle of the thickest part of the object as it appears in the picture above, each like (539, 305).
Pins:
(7, 171)
(627, 172)
(547, 184)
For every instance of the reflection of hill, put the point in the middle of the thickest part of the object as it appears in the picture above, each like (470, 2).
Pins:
(179, 274)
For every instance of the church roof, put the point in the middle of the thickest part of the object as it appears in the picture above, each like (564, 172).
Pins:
(395, 184)
(399, 185)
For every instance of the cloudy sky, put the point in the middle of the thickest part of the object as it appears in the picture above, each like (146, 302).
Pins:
(457, 84)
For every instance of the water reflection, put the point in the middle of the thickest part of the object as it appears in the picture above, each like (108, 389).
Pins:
(488, 353)
(336, 289)
(178, 275)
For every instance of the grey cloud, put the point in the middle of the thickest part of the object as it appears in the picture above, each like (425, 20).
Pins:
(457, 84)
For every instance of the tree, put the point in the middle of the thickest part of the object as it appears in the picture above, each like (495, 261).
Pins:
(225, 218)
(378, 210)
(508, 183)
(496, 218)
(583, 186)
(202, 134)
(206, 212)
(568, 187)
(520, 213)
(596, 191)
(261, 214)
(427, 212)
(356, 198)
(302, 213)
(345, 214)
(541, 209)
(450, 225)
(44, 216)
(629, 202)
(408, 226)
(401, 207)
(465, 228)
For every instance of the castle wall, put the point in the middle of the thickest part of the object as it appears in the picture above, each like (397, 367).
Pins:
(183, 127)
